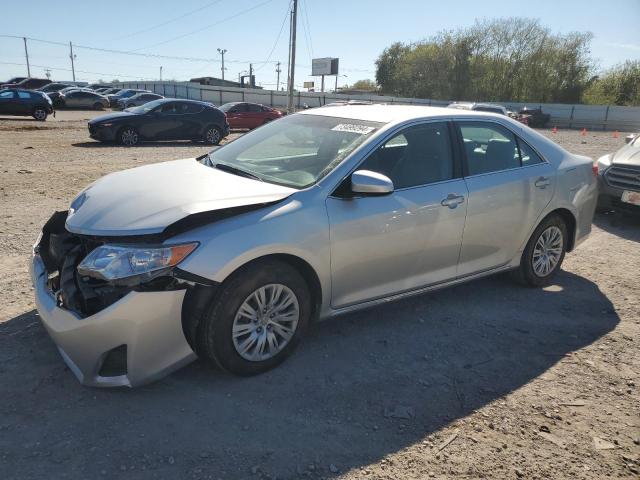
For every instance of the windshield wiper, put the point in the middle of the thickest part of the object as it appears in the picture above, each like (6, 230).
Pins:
(235, 170)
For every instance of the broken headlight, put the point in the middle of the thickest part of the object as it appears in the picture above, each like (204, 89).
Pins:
(117, 262)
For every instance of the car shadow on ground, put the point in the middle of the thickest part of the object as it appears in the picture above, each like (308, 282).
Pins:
(361, 386)
(620, 223)
(168, 143)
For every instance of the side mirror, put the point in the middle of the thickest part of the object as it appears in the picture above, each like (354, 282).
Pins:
(629, 138)
(370, 183)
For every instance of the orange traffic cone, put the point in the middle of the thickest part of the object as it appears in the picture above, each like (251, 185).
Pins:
(583, 132)
(554, 130)
(616, 134)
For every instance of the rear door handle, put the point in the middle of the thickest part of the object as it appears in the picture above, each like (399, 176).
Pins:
(542, 182)
(452, 200)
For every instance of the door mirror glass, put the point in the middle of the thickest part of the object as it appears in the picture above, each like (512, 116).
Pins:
(370, 183)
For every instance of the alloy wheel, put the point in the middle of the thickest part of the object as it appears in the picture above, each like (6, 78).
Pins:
(547, 251)
(265, 322)
(213, 135)
(40, 114)
(129, 137)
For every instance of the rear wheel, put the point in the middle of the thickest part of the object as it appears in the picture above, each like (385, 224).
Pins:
(544, 253)
(40, 114)
(257, 318)
(128, 136)
(212, 135)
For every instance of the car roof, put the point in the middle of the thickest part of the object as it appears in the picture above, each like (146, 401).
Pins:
(166, 100)
(391, 113)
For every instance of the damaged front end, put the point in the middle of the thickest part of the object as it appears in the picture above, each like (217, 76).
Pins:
(112, 330)
(87, 285)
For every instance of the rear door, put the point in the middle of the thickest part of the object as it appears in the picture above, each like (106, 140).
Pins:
(509, 185)
(237, 116)
(254, 115)
(189, 127)
(385, 245)
(25, 103)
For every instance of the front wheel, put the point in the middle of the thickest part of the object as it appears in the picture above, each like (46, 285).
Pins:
(97, 106)
(544, 253)
(40, 114)
(257, 318)
(212, 135)
(128, 136)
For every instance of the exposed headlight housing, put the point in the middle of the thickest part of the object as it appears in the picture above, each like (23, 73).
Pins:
(604, 162)
(118, 262)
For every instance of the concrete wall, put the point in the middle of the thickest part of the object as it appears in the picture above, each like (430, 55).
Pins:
(592, 117)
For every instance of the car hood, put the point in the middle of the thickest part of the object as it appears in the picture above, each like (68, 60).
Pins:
(627, 155)
(145, 200)
(110, 117)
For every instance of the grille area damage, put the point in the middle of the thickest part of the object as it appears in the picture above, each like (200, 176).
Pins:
(62, 251)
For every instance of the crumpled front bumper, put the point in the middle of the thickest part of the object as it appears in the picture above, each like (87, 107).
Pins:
(148, 323)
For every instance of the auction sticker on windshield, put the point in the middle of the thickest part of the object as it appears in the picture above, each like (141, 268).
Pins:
(349, 127)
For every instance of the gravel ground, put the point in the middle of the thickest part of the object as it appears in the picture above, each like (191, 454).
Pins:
(484, 380)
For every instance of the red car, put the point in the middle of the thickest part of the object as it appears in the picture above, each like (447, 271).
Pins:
(248, 115)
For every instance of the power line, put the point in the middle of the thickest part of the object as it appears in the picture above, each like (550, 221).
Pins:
(69, 70)
(308, 29)
(275, 44)
(306, 35)
(205, 27)
(166, 22)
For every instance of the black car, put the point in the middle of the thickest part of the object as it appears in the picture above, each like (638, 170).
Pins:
(14, 101)
(166, 119)
(28, 83)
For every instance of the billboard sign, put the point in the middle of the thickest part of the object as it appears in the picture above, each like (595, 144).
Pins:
(324, 66)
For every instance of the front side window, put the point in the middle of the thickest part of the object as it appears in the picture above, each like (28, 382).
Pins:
(6, 94)
(416, 156)
(253, 108)
(24, 95)
(489, 147)
(295, 151)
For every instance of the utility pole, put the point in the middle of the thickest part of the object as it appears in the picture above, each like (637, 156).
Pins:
(26, 54)
(222, 51)
(292, 55)
(278, 72)
(160, 72)
(71, 55)
(251, 85)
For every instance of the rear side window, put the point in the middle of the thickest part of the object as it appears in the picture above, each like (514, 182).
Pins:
(528, 154)
(193, 108)
(488, 147)
(415, 156)
(24, 95)
(7, 94)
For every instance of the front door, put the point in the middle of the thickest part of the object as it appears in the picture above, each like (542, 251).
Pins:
(509, 185)
(164, 123)
(384, 245)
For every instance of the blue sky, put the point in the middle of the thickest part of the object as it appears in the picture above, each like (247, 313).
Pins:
(356, 31)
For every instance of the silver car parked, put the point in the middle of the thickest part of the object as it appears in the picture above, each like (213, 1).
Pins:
(230, 256)
(83, 99)
(137, 100)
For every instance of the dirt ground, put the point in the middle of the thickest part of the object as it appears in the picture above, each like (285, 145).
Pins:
(483, 380)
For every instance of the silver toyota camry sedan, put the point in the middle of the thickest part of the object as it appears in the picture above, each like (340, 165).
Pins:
(230, 256)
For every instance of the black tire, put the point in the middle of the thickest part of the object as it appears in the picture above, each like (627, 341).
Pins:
(212, 135)
(40, 114)
(215, 329)
(526, 273)
(128, 136)
(97, 106)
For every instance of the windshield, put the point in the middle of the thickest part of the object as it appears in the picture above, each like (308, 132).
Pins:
(295, 151)
(147, 107)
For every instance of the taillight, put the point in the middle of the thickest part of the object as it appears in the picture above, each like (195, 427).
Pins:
(594, 169)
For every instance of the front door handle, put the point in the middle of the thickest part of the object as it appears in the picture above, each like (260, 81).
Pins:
(542, 182)
(452, 200)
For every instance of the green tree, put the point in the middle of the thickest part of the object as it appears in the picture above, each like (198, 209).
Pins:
(366, 84)
(619, 85)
